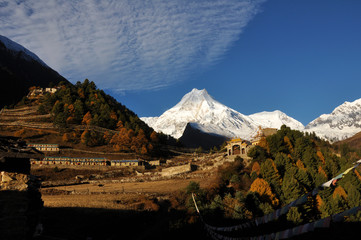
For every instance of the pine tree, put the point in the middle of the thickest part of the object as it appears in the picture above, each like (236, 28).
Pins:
(294, 216)
(353, 196)
(270, 173)
(60, 120)
(291, 189)
(304, 179)
(282, 163)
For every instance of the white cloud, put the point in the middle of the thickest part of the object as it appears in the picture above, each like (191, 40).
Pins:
(127, 45)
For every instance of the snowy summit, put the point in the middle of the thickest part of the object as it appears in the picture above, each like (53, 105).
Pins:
(342, 123)
(211, 116)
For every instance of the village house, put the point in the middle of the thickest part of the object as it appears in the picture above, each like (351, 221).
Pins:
(38, 92)
(127, 163)
(45, 147)
(78, 161)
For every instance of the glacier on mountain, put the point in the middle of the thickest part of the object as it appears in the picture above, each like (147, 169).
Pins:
(213, 117)
(343, 122)
(210, 116)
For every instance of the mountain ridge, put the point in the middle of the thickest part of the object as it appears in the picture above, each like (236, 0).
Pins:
(342, 123)
(17, 48)
(213, 117)
(21, 69)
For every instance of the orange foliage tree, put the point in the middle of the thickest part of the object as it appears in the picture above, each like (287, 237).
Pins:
(107, 137)
(154, 137)
(321, 157)
(288, 143)
(256, 168)
(339, 191)
(262, 187)
(87, 119)
(319, 202)
(358, 174)
(85, 137)
(300, 164)
(321, 171)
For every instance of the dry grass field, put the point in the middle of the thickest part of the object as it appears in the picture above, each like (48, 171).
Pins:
(115, 210)
(113, 195)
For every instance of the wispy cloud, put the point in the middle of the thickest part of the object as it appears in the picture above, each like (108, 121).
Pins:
(127, 45)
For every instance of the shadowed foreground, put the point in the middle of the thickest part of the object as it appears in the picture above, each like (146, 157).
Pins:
(94, 223)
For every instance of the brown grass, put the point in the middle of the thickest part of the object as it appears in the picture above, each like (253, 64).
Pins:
(130, 196)
(104, 201)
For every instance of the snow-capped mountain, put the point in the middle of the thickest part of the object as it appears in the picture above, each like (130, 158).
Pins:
(211, 116)
(276, 119)
(17, 48)
(199, 107)
(342, 123)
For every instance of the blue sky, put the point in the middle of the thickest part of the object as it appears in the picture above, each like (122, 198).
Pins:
(302, 57)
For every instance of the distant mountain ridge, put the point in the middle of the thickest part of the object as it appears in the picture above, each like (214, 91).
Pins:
(342, 123)
(212, 117)
(21, 69)
(18, 49)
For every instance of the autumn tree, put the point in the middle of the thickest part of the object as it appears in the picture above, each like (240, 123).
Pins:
(256, 168)
(154, 137)
(85, 137)
(87, 119)
(264, 190)
(107, 137)
(287, 140)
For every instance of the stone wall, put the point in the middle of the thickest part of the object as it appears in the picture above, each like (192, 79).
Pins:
(20, 205)
(20, 199)
(176, 170)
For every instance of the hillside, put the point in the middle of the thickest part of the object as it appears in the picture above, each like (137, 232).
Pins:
(354, 142)
(21, 69)
(285, 191)
(81, 116)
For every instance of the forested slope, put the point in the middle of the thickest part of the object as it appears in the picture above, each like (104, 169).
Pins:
(285, 167)
(84, 104)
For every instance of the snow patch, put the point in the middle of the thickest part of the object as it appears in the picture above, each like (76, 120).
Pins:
(17, 48)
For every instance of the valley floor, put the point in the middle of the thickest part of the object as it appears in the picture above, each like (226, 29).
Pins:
(112, 209)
